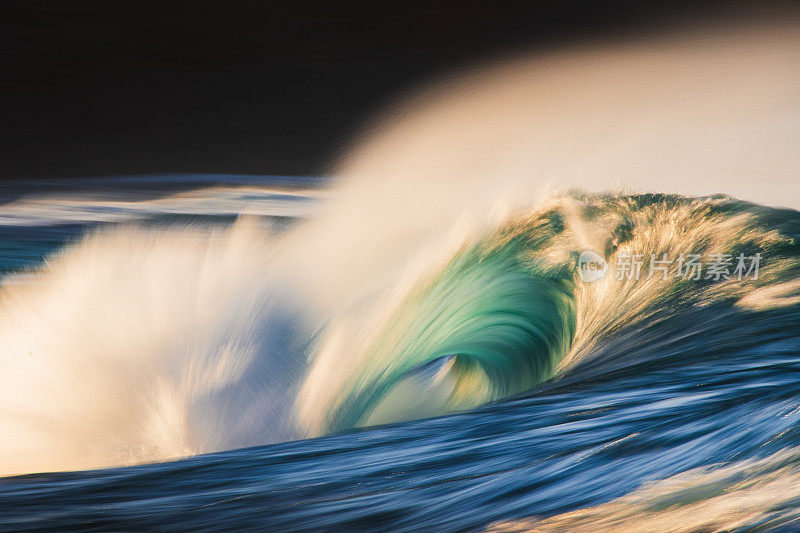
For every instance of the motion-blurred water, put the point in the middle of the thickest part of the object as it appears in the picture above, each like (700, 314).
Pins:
(655, 379)
(410, 345)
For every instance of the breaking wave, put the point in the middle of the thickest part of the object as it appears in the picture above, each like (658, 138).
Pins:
(147, 344)
(440, 275)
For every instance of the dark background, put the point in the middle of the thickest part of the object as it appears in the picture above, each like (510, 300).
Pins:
(95, 88)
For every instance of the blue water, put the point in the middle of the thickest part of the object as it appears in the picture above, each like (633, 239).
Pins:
(708, 385)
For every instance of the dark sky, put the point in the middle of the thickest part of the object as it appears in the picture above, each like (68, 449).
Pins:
(94, 88)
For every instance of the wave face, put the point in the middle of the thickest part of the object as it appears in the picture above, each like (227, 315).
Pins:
(510, 311)
(503, 319)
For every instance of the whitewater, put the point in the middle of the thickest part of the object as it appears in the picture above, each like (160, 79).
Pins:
(409, 344)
